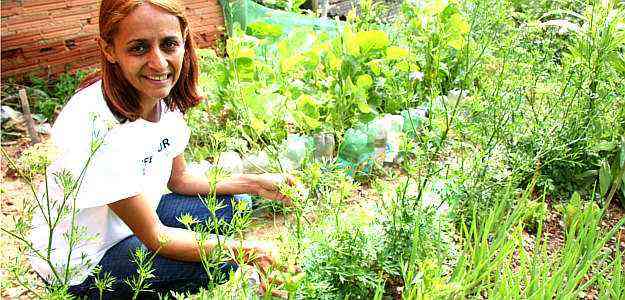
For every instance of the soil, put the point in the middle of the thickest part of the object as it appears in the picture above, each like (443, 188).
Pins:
(14, 192)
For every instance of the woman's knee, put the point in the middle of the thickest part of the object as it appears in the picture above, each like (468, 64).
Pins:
(173, 206)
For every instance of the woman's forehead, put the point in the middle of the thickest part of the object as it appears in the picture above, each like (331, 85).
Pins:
(147, 22)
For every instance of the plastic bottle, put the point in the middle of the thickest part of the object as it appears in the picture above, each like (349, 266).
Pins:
(294, 151)
(324, 146)
(378, 134)
(231, 162)
(414, 119)
(356, 149)
(256, 163)
(393, 125)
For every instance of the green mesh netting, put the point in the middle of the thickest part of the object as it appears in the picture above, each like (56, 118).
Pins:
(249, 13)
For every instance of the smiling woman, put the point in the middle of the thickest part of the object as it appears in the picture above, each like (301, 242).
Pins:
(149, 50)
(146, 55)
(134, 109)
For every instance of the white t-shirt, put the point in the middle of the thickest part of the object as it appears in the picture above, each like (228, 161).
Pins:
(134, 158)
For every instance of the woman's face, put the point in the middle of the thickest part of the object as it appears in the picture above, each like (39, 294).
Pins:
(149, 49)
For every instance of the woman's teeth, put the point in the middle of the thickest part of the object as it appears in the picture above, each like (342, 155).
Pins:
(157, 77)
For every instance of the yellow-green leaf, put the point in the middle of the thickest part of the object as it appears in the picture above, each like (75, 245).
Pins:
(364, 81)
(258, 125)
(605, 178)
(435, 7)
(371, 40)
(459, 24)
(395, 52)
(364, 107)
(374, 65)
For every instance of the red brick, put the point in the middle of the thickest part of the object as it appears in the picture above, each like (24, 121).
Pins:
(20, 71)
(41, 24)
(75, 3)
(10, 10)
(24, 18)
(44, 7)
(61, 32)
(17, 41)
(70, 20)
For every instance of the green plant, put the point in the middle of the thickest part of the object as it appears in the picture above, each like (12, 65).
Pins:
(341, 261)
(140, 282)
(34, 164)
(287, 5)
(535, 213)
(49, 96)
(103, 281)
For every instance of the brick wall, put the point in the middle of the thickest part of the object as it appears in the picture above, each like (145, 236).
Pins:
(48, 37)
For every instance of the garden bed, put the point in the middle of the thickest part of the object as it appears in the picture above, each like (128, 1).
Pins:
(510, 183)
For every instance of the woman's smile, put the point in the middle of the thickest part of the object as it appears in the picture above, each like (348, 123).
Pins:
(158, 80)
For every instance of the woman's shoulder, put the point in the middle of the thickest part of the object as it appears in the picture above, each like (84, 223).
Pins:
(85, 98)
(84, 112)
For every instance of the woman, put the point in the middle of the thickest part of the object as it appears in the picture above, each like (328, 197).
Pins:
(126, 125)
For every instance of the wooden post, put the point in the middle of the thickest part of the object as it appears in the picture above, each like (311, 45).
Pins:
(30, 124)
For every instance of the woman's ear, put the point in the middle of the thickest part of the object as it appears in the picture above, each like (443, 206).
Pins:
(108, 50)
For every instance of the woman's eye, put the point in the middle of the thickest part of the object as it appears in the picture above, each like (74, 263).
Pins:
(139, 49)
(170, 45)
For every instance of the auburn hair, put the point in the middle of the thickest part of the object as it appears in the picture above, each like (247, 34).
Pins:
(121, 97)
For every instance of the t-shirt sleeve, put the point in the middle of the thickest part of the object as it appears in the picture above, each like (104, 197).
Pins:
(104, 164)
(113, 173)
(183, 132)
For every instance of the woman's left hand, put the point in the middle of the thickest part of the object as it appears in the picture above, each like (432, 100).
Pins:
(268, 185)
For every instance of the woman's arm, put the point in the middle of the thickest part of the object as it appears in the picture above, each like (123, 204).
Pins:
(264, 185)
(176, 243)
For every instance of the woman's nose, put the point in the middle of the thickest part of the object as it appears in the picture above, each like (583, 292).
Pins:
(157, 60)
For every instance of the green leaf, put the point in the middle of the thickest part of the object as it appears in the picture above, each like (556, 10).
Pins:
(307, 112)
(618, 62)
(588, 174)
(403, 66)
(604, 146)
(605, 178)
(244, 68)
(289, 63)
(306, 121)
(258, 125)
(622, 153)
(364, 107)
(434, 7)
(263, 30)
(243, 51)
(456, 42)
(459, 24)
(308, 106)
(395, 52)
(374, 65)
(364, 81)
(371, 40)
(458, 28)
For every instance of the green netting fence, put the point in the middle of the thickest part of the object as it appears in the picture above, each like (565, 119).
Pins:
(248, 13)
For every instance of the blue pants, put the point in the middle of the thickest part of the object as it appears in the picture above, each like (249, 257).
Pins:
(169, 274)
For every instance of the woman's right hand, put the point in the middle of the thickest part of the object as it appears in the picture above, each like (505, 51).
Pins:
(267, 185)
(263, 254)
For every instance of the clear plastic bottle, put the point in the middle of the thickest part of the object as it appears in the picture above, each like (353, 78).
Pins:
(256, 163)
(324, 146)
(294, 151)
(231, 162)
(393, 125)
